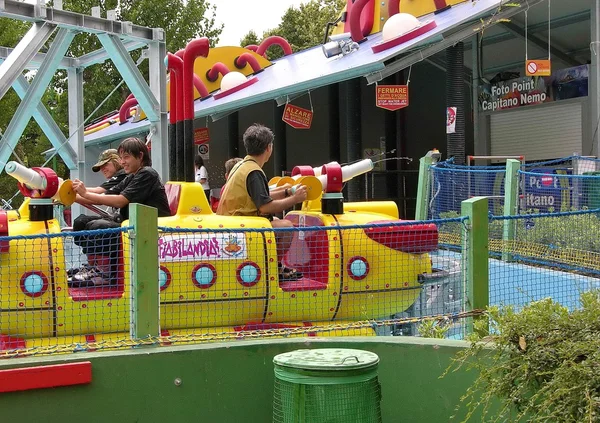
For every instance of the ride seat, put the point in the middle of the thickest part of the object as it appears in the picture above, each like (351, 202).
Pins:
(173, 192)
(4, 245)
(215, 197)
(309, 254)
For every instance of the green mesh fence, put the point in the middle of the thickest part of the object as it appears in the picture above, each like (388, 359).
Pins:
(326, 386)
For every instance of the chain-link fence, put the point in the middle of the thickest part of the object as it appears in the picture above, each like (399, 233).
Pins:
(63, 288)
(452, 184)
(566, 184)
(73, 291)
(552, 255)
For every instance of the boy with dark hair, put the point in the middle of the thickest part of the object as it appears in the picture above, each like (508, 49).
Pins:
(141, 185)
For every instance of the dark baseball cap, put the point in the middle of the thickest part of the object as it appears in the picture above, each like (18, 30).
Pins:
(105, 157)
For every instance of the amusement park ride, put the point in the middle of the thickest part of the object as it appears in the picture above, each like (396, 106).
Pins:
(371, 270)
(346, 271)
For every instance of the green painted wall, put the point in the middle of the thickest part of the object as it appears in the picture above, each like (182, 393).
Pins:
(231, 382)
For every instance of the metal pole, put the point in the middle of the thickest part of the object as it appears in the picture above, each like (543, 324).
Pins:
(279, 130)
(353, 132)
(75, 99)
(594, 77)
(144, 278)
(158, 87)
(475, 89)
(475, 255)
(423, 188)
(511, 201)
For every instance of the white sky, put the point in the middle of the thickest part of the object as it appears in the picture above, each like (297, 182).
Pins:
(240, 16)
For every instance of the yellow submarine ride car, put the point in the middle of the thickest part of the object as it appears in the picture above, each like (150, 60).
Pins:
(217, 274)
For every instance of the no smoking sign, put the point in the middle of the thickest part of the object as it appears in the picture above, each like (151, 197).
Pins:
(204, 151)
(538, 68)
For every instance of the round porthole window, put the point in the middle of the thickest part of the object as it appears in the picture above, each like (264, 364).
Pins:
(164, 278)
(248, 273)
(34, 284)
(358, 268)
(204, 275)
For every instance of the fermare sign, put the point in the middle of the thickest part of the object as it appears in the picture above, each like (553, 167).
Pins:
(391, 97)
(197, 247)
(562, 85)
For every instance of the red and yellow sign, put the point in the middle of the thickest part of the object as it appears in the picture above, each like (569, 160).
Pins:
(391, 97)
(538, 68)
(201, 136)
(297, 117)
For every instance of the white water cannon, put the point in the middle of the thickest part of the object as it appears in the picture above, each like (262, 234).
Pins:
(43, 186)
(327, 180)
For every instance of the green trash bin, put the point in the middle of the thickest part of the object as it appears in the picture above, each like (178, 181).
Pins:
(592, 189)
(328, 385)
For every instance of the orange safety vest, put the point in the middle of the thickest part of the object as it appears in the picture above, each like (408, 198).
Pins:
(235, 200)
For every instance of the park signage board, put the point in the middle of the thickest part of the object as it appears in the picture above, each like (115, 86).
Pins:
(391, 97)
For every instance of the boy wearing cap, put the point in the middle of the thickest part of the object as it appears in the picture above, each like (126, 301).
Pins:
(142, 185)
(109, 163)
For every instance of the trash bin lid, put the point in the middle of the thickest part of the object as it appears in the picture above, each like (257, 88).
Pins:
(327, 359)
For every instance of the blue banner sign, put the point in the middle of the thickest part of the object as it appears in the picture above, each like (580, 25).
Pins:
(548, 191)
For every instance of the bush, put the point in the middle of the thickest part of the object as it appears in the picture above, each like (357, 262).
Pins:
(542, 364)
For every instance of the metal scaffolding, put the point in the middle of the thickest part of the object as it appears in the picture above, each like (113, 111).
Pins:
(117, 38)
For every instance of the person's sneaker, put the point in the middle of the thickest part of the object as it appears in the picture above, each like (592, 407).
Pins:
(289, 274)
(89, 277)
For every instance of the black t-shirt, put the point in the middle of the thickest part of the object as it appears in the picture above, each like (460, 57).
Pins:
(114, 181)
(143, 187)
(258, 188)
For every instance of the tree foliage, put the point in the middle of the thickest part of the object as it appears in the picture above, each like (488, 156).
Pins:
(182, 20)
(540, 365)
(249, 39)
(303, 27)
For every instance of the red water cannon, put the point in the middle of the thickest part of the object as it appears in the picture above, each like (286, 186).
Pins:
(332, 177)
(324, 181)
(43, 187)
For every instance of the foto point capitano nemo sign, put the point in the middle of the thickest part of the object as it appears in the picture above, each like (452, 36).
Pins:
(530, 90)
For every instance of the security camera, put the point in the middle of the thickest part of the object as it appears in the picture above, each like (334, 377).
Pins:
(339, 46)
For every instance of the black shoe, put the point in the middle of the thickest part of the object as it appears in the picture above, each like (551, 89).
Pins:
(289, 274)
(89, 277)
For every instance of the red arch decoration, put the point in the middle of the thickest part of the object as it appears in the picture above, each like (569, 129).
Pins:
(274, 40)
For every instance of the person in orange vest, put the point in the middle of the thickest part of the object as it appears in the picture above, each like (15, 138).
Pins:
(247, 192)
